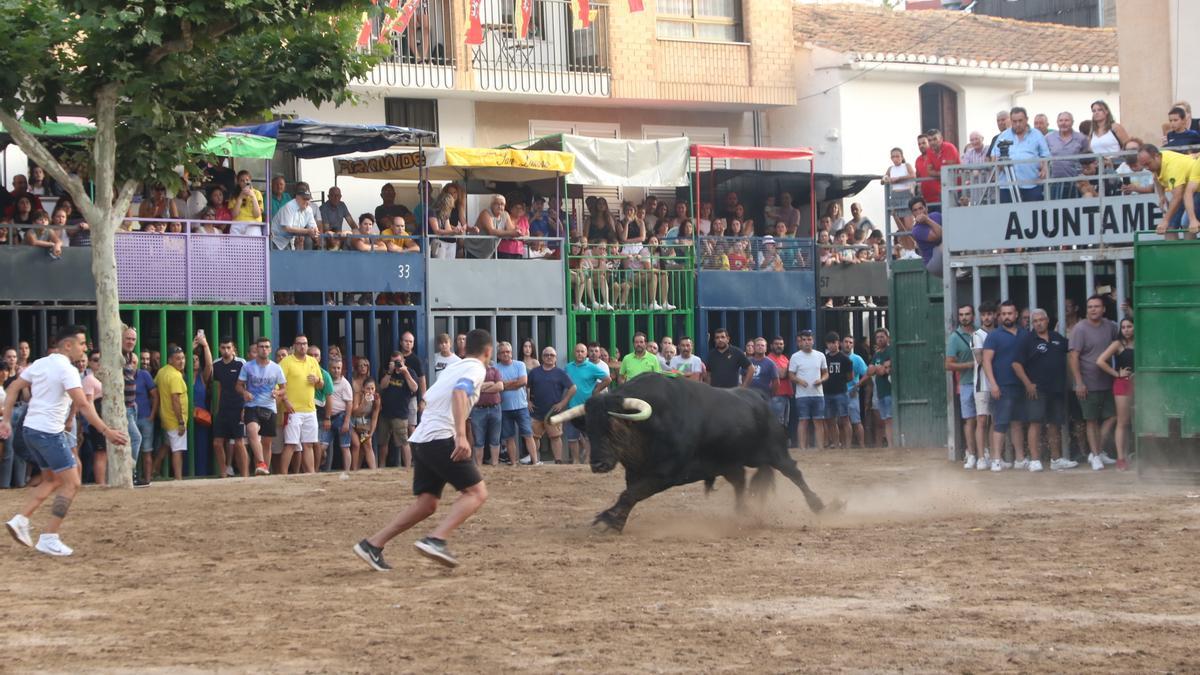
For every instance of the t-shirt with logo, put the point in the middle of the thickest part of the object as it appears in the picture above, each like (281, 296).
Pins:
(723, 367)
(226, 375)
(585, 376)
(50, 378)
(440, 362)
(261, 381)
(691, 364)
(301, 394)
(840, 369)
(807, 366)
(765, 375)
(1045, 361)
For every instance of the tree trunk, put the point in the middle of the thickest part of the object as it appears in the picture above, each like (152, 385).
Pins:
(104, 217)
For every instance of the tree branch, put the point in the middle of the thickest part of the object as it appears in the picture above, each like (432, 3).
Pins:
(185, 43)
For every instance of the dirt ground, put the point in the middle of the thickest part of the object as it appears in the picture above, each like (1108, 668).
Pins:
(930, 568)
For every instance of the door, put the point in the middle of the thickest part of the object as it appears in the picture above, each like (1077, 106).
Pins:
(919, 382)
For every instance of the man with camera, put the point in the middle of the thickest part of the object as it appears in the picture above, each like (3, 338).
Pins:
(396, 389)
(1015, 144)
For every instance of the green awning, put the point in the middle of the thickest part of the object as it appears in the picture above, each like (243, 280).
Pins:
(62, 131)
(246, 146)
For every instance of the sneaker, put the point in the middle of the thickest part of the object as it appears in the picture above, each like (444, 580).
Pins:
(1062, 464)
(982, 464)
(656, 307)
(140, 482)
(1122, 465)
(1007, 465)
(1036, 466)
(1106, 459)
(1096, 462)
(538, 463)
(372, 555)
(50, 544)
(18, 527)
(526, 459)
(970, 463)
(262, 469)
(1021, 465)
(608, 306)
(229, 471)
(435, 549)
(581, 307)
(668, 306)
(997, 465)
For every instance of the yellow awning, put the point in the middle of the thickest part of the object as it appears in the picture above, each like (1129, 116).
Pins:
(445, 164)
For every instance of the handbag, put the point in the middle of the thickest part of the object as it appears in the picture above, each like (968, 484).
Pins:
(203, 417)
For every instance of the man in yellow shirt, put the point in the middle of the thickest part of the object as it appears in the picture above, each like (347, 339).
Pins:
(246, 203)
(397, 240)
(172, 413)
(1172, 171)
(300, 434)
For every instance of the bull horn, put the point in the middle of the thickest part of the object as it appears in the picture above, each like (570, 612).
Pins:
(643, 410)
(568, 415)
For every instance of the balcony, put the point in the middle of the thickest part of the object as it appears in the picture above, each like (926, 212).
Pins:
(755, 272)
(555, 58)
(423, 56)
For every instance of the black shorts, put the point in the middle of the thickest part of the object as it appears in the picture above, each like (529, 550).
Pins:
(1047, 408)
(227, 424)
(263, 417)
(432, 468)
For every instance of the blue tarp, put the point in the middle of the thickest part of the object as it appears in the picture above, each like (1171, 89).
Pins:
(310, 139)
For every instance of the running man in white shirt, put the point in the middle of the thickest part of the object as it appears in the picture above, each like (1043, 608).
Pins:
(55, 386)
(441, 454)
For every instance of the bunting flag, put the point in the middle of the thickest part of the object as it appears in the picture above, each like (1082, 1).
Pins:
(584, 15)
(524, 12)
(474, 27)
(404, 17)
(635, 6)
(364, 33)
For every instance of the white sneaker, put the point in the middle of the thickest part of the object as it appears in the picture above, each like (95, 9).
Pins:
(655, 306)
(970, 463)
(608, 306)
(982, 464)
(1036, 465)
(668, 306)
(1007, 465)
(997, 465)
(229, 471)
(18, 527)
(1062, 464)
(1105, 458)
(525, 459)
(50, 544)
(1021, 465)
(581, 307)
(1096, 462)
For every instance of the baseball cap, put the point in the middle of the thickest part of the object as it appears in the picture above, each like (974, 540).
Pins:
(768, 240)
(806, 333)
(303, 193)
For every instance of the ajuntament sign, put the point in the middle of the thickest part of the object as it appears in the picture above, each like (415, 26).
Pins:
(1064, 222)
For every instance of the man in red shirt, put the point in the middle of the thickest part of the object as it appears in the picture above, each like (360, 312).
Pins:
(782, 395)
(939, 153)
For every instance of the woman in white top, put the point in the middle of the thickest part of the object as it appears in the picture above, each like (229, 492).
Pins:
(901, 176)
(1108, 136)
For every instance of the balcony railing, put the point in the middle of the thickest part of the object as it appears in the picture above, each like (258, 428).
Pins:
(192, 268)
(555, 57)
(423, 55)
(635, 279)
(743, 254)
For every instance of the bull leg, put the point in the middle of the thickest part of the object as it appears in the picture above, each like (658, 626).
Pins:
(737, 478)
(614, 518)
(709, 485)
(788, 468)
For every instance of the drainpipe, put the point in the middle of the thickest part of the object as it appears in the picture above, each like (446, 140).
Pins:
(1022, 92)
(756, 126)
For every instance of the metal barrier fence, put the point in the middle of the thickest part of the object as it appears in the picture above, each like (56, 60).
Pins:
(557, 57)
(423, 55)
(485, 247)
(631, 278)
(761, 254)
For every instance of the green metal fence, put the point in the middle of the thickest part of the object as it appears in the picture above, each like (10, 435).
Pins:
(919, 382)
(1166, 302)
(614, 292)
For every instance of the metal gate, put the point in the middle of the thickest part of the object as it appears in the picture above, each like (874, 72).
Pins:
(371, 331)
(546, 329)
(616, 330)
(919, 384)
(37, 324)
(746, 324)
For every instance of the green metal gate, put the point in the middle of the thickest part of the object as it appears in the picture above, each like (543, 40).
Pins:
(918, 340)
(1166, 302)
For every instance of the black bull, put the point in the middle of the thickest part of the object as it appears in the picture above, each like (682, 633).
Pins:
(692, 432)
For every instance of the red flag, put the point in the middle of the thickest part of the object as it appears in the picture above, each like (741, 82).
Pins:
(583, 13)
(523, 14)
(635, 6)
(474, 27)
(400, 23)
(364, 33)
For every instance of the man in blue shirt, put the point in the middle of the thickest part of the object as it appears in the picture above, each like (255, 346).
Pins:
(514, 405)
(859, 366)
(1027, 144)
(588, 378)
(765, 373)
(550, 390)
(1000, 350)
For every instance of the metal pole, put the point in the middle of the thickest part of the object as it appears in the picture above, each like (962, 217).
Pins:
(949, 309)
(1031, 271)
(1120, 286)
(1003, 269)
(1089, 273)
(1060, 297)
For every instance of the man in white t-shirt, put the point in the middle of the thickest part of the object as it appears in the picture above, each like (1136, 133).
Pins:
(983, 396)
(441, 454)
(55, 387)
(444, 356)
(686, 363)
(594, 355)
(807, 369)
(337, 406)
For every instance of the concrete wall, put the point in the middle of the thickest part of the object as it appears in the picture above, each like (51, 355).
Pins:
(1154, 67)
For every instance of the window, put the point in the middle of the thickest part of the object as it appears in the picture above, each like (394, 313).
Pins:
(418, 113)
(714, 20)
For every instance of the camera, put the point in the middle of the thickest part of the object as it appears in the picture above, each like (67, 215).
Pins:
(397, 365)
(1003, 146)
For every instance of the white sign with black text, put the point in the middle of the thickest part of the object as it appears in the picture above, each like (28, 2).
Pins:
(1064, 222)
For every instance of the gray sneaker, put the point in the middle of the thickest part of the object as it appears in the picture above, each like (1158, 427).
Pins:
(372, 555)
(435, 549)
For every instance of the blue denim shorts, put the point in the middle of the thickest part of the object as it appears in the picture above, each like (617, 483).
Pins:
(854, 409)
(572, 432)
(837, 406)
(485, 425)
(810, 408)
(883, 405)
(782, 407)
(966, 400)
(146, 426)
(516, 422)
(1010, 408)
(51, 451)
